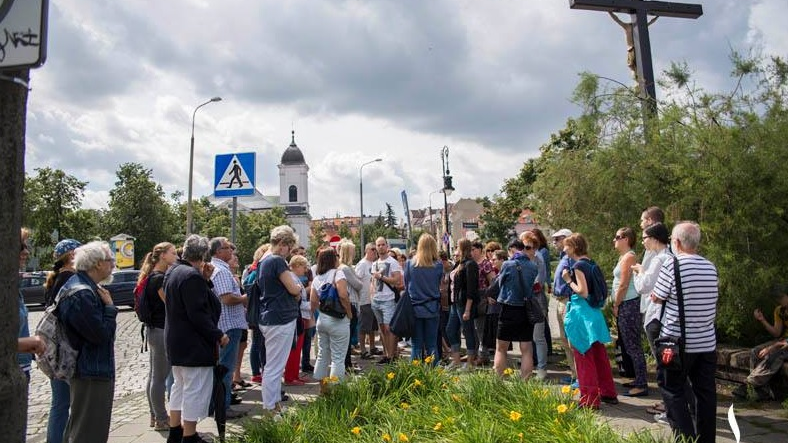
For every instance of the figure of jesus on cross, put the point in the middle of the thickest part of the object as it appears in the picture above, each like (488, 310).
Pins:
(637, 34)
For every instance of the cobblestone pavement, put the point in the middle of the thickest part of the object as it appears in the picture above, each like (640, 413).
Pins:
(758, 423)
(131, 374)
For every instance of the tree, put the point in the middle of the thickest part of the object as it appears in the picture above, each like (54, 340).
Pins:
(51, 196)
(137, 207)
(254, 229)
(501, 212)
(13, 386)
(391, 218)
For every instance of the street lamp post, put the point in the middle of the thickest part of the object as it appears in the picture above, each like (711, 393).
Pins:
(361, 199)
(447, 190)
(189, 225)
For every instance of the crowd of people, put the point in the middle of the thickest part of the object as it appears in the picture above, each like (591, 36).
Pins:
(201, 314)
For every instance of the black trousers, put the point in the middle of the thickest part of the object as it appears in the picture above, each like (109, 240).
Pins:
(699, 370)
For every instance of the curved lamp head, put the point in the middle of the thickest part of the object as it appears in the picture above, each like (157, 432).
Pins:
(216, 99)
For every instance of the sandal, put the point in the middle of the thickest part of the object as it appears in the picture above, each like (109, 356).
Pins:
(658, 408)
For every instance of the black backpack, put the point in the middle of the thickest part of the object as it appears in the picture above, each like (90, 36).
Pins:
(597, 285)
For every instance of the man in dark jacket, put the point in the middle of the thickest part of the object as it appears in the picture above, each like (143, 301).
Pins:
(191, 335)
(89, 317)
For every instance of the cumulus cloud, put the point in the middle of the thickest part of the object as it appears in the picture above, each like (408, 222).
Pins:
(356, 79)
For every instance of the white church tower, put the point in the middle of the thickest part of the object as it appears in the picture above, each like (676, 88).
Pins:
(294, 191)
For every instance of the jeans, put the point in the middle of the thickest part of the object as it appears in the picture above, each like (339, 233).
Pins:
(540, 345)
(257, 352)
(353, 329)
(453, 330)
(306, 350)
(58, 411)
(159, 368)
(333, 335)
(227, 358)
(699, 369)
(278, 341)
(425, 336)
(443, 320)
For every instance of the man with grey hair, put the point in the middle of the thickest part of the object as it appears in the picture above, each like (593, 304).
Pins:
(699, 284)
(232, 321)
(89, 317)
(191, 336)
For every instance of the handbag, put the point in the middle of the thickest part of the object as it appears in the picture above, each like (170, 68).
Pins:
(670, 350)
(329, 299)
(403, 320)
(533, 308)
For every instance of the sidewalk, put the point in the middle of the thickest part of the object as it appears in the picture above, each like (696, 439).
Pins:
(758, 423)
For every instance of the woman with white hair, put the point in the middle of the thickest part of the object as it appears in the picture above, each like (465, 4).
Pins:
(279, 310)
(89, 316)
(191, 335)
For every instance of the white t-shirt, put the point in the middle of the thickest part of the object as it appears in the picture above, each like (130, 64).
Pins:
(364, 272)
(328, 277)
(386, 267)
(699, 286)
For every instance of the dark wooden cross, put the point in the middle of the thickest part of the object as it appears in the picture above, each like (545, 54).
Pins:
(639, 10)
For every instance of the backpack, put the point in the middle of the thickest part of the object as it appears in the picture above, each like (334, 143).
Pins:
(141, 303)
(597, 285)
(59, 360)
(329, 299)
(253, 294)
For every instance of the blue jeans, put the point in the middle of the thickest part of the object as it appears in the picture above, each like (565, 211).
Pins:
(58, 411)
(453, 330)
(306, 350)
(425, 335)
(257, 352)
(227, 357)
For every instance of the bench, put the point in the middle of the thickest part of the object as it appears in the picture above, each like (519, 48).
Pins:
(733, 364)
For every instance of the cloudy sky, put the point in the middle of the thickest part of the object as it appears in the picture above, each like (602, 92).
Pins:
(356, 79)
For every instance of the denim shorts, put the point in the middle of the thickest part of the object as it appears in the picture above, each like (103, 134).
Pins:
(384, 310)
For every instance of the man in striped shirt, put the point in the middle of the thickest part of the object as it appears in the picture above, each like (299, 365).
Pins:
(699, 284)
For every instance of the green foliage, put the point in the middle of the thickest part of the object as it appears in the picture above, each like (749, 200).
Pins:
(391, 219)
(137, 207)
(51, 197)
(501, 212)
(419, 403)
(254, 229)
(716, 158)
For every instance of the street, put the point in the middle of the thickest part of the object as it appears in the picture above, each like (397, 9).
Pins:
(131, 374)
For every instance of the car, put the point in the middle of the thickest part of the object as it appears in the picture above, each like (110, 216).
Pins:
(31, 285)
(121, 286)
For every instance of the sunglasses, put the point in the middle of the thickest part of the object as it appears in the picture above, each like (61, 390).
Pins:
(618, 237)
(528, 247)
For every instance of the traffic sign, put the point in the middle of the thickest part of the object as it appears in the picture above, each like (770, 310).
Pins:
(234, 175)
(470, 225)
(23, 23)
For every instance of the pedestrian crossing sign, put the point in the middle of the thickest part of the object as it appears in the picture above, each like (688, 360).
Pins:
(234, 175)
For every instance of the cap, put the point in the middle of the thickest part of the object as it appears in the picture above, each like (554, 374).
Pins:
(65, 246)
(562, 233)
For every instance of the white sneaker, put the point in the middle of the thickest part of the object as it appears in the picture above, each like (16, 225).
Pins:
(661, 418)
(541, 374)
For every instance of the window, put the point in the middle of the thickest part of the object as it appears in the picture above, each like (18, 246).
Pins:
(293, 194)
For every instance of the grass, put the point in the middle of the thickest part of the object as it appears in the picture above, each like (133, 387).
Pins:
(413, 402)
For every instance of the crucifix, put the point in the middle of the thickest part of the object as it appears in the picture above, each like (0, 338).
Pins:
(637, 35)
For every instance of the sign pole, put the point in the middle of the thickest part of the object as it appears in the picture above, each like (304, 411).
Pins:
(235, 212)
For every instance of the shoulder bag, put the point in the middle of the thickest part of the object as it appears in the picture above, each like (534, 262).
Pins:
(533, 309)
(670, 350)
